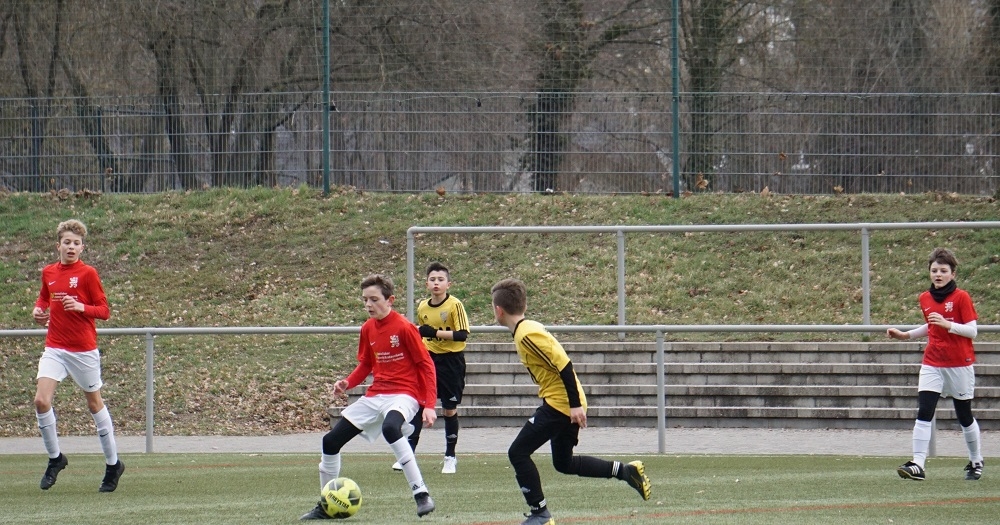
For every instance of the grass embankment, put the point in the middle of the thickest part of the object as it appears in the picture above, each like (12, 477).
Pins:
(293, 257)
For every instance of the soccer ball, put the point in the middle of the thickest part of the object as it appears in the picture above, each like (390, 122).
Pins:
(341, 498)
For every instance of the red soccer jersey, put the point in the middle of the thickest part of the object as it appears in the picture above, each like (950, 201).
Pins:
(945, 349)
(392, 350)
(73, 331)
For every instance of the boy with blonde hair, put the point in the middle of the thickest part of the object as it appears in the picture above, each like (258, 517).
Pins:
(69, 301)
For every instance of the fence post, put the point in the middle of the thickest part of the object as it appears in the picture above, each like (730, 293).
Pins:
(661, 395)
(149, 392)
(866, 285)
(621, 282)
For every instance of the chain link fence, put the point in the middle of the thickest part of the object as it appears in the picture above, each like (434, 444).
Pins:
(594, 142)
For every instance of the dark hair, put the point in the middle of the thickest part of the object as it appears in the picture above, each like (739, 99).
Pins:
(511, 296)
(437, 267)
(943, 256)
(384, 283)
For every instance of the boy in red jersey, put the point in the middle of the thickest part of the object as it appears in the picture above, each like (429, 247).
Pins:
(391, 350)
(444, 326)
(947, 367)
(70, 299)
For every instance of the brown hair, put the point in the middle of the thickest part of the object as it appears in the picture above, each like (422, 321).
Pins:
(384, 283)
(511, 296)
(943, 256)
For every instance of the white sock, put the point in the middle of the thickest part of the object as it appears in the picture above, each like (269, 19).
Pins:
(106, 433)
(404, 455)
(47, 424)
(921, 441)
(329, 468)
(971, 434)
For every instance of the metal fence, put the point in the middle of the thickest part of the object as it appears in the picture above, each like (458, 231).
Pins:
(657, 331)
(801, 143)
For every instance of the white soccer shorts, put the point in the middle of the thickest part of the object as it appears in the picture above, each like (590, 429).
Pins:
(83, 367)
(954, 382)
(368, 413)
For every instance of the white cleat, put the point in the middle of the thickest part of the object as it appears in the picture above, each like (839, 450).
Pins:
(450, 462)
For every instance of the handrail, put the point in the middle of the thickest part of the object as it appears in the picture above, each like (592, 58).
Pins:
(149, 334)
(863, 227)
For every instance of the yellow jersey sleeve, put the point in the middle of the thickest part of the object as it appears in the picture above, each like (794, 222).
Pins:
(544, 357)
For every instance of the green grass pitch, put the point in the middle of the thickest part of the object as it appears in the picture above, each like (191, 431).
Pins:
(207, 489)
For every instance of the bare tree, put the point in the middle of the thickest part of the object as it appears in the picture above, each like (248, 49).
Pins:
(991, 52)
(32, 58)
(571, 39)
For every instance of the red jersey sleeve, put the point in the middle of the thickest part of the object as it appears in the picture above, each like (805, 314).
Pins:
(425, 371)
(364, 368)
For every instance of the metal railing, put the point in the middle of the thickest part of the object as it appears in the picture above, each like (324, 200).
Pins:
(659, 332)
(864, 229)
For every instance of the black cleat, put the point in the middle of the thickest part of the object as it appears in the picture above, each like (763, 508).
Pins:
(317, 513)
(542, 517)
(911, 470)
(974, 471)
(52, 471)
(112, 473)
(425, 505)
(637, 479)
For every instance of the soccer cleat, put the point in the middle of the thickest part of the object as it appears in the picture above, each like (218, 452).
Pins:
(974, 471)
(911, 470)
(52, 471)
(317, 513)
(397, 467)
(425, 505)
(542, 517)
(635, 476)
(450, 462)
(112, 473)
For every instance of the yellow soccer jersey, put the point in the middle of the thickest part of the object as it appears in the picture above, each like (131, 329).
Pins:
(449, 315)
(544, 357)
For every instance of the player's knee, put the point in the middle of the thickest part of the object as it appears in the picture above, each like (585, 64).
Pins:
(449, 412)
(95, 406)
(42, 404)
(963, 412)
(516, 455)
(392, 427)
(563, 465)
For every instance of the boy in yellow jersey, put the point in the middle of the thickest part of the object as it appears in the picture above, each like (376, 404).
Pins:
(562, 414)
(445, 328)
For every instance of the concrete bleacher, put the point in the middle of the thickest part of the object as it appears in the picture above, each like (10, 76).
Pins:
(759, 384)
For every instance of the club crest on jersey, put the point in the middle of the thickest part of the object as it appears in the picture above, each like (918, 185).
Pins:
(394, 341)
(444, 316)
(949, 306)
(73, 281)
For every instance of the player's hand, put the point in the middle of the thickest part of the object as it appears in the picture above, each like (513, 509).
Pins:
(429, 417)
(579, 416)
(428, 331)
(340, 387)
(72, 305)
(896, 334)
(937, 319)
(41, 316)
